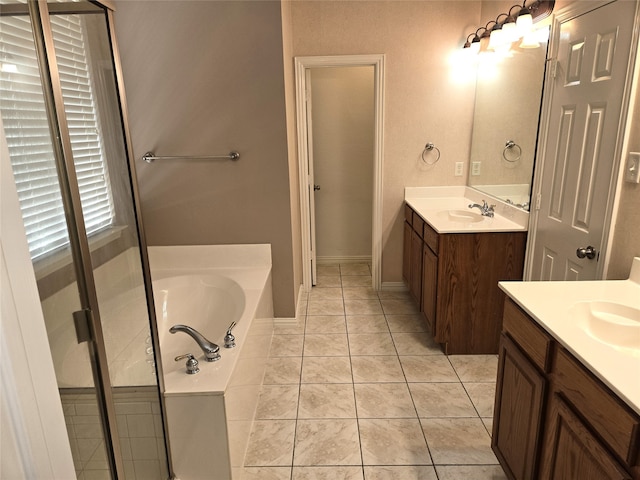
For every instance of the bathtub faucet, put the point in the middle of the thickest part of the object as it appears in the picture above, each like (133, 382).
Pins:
(210, 349)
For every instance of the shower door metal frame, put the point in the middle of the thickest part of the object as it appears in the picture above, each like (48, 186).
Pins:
(38, 11)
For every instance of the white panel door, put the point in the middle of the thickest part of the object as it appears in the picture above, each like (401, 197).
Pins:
(311, 186)
(584, 121)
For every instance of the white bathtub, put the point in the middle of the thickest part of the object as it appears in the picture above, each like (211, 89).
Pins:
(209, 414)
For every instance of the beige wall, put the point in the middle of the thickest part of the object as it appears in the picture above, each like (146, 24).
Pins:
(342, 108)
(207, 77)
(422, 103)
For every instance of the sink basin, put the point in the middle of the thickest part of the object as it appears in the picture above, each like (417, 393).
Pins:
(462, 216)
(609, 322)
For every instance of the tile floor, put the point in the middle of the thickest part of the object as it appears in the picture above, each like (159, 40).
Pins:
(358, 391)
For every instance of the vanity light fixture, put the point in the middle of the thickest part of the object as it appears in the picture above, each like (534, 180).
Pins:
(517, 24)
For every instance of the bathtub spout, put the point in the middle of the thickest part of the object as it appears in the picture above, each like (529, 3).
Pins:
(210, 349)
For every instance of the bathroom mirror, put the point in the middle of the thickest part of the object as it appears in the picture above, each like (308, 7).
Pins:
(505, 124)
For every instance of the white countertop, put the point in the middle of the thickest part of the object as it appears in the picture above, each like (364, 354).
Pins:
(550, 304)
(434, 205)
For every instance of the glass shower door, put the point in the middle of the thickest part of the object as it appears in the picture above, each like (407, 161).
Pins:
(61, 116)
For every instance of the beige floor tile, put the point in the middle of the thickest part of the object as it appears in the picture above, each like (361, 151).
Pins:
(266, 473)
(326, 324)
(470, 472)
(286, 345)
(326, 370)
(325, 307)
(324, 281)
(394, 306)
(416, 343)
(458, 441)
(441, 400)
(428, 368)
(384, 400)
(406, 323)
(271, 443)
(359, 293)
(356, 281)
(363, 307)
(475, 368)
(327, 473)
(328, 269)
(371, 344)
(355, 269)
(367, 324)
(413, 472)
(327, 401)
(325, 345)
(327, 442)
(397, 294)
(488, 423)
(283, 370)
(393, 442)
(482, 395)
(278, 402)
(327, 293)
(376, 369)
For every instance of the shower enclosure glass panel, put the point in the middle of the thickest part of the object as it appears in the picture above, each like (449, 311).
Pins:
(80, 37)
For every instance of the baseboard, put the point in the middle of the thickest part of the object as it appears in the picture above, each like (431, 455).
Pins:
(344, 259)
(393, 287)
(285, 321)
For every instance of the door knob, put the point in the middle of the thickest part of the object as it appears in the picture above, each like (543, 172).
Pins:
(316, 188)
(588, 252)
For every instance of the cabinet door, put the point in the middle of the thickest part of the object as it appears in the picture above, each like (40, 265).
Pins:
(518, 412)
(415, 282)
(571, 451)
(429, 287)
(406, 254)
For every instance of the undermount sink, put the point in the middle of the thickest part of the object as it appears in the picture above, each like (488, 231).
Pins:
(462, 216)
(612, 323)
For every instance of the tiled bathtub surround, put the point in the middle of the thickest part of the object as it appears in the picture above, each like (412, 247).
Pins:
(357, 390)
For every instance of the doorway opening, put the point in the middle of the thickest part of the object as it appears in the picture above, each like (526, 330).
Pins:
(358, 183)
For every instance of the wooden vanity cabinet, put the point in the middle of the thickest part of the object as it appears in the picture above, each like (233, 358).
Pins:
(453, 277)
(553, 419)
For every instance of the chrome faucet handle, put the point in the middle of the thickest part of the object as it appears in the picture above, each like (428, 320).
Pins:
(192, 363)
(229, 339)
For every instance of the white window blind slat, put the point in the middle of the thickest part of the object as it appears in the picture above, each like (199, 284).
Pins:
(27, 131)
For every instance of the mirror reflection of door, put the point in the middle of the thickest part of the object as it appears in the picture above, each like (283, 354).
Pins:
(583, 133)
(342, 124)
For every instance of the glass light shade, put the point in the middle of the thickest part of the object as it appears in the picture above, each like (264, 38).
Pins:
(530, 41)
(475, 47)
(497, 39)
(510, 31)
(524, 24)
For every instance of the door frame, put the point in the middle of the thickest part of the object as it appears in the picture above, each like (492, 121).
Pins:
(302, 64)
(570, 12)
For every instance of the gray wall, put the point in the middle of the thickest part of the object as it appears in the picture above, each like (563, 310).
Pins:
(207, 77)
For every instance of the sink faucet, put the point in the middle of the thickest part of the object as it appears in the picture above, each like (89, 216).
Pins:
(485, 209)
(210, 349)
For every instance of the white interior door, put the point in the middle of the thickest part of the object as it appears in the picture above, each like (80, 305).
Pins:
(578, 177)
(311, 186)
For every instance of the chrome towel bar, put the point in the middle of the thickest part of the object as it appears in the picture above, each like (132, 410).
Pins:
(151, 157)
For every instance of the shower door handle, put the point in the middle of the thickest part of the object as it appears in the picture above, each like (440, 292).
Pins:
(82, 319)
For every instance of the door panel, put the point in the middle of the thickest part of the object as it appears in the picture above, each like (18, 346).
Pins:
(586, 106)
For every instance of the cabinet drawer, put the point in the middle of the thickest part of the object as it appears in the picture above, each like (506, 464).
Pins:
(408, 213)
(616, 424)
(527, 334)
(430, 237)
(417, 224)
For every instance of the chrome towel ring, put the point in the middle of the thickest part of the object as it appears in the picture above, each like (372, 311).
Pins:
(427, 148)
(508, 146)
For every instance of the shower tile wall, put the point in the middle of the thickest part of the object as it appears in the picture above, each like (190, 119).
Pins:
(139, 428)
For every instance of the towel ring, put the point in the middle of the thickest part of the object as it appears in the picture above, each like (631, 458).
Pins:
(508, 146)
(427, 148)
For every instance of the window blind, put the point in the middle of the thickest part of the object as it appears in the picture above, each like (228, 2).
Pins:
(29, 140)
